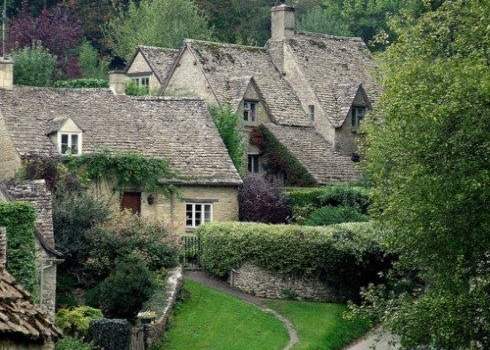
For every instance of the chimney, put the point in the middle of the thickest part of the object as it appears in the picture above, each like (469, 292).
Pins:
(6, 74)
(3, 248)
(117, 82)
(283, 22)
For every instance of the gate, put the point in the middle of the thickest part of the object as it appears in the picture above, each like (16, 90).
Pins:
(191, 246)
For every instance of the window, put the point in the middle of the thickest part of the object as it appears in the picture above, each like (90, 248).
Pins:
(357, 115)
(250, 111)
(253, 163)
(69, 143)
(311, 110)
(142, 82)
(197, 214)
(132, 202)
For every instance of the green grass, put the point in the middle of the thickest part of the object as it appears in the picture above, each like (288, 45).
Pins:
(320, 326)
(208, 319)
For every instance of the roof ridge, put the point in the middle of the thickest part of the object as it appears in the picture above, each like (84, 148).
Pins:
(52, 88)
(167, 98)
(330, 36)
(224, 44)
(158, 48)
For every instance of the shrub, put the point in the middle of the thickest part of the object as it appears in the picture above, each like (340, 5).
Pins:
(229, 127)
(82, 83)
(19, 219)
(129, 235)
(33, 66)
(123, 293)
(260, 201)
(335, 215)
(345, 256)
(76, 321)
(70, 343)
(133, 89)
(110, 334)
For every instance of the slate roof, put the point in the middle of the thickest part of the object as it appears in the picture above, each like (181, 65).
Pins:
(222, 62)
(335, 67)
(161, 60)
(179, 130)
(315, 154)
(19, 318)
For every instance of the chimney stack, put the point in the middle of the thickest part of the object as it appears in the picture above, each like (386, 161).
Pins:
(6, 74)
(3, 248)
(283, 22)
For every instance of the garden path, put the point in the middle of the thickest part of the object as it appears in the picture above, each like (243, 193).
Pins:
(208, 281)
(377, 339)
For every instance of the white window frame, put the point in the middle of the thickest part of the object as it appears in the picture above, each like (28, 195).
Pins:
(139, 81)
(70, 135)
(250, 111)
(193, 210)
(356, 120)
(251, 169)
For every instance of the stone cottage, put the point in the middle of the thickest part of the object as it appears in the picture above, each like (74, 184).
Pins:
(46, 122)
(37, 194)
(310, 90)
(23, 325)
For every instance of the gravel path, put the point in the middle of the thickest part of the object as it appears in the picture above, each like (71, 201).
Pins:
(208, 281)
(375, 340)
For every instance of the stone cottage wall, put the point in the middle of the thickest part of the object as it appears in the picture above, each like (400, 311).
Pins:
(9, 158)
(259, 282)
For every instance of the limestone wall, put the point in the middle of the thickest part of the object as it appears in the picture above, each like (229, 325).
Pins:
(10, 161)
(259, 282)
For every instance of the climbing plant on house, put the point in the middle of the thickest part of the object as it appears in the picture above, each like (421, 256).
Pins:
(19, 219)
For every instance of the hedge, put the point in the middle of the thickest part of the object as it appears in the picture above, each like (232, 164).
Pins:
(345, 256)
(335, 215)
(19, 220)
(82, 83)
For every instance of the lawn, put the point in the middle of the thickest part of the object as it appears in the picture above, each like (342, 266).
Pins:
(320, 326)
(208, 319)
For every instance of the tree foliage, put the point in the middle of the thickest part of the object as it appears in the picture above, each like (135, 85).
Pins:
(91, 65)
(428, 156)
(166, 24)
(33, 66)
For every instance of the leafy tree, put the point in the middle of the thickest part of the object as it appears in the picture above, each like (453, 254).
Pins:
(326, 19)
(428, 149)
(90, 63)
(33, 66)
(162, 23)
(229, 127)
(57, 29)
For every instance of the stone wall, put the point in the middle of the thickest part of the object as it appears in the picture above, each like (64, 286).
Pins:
(10, 161)
(259, 282)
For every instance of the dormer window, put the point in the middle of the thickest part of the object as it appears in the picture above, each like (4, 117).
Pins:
(70, 143)
(358, 113)
(250, 111)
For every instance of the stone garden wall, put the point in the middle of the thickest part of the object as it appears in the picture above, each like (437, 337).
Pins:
(259, 282)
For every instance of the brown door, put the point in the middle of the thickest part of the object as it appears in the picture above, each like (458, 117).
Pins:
(131, 201)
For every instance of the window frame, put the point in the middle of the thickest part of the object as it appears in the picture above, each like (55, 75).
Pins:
(250, 165)
(70, 143)
(139, 81)
(311, 112)
(250, 112)
(193, 215)
(355, 119)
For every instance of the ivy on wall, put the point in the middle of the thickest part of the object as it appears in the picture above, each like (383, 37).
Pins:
(280, 160)
(125, 170)
(19, 220)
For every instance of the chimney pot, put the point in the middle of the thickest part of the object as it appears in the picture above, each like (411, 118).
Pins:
(6, 74)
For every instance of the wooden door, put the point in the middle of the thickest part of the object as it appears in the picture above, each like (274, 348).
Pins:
(131, 201)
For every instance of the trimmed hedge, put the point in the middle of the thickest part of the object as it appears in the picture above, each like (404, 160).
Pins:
(82, 83)
(345, 256)
(19, 218)
(335, 215)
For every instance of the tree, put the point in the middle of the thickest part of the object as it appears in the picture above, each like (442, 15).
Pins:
(428, 152)
(166, 24)
(57, 29)
(90, 64)
(33, 66)
(229, 127)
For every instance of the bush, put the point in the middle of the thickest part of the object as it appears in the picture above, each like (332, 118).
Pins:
(19, 219)
(82, 83)
(133, 89)
(260, 201)
(76, 321)
(123, 293)
(304, 201)
(346, 256)
(70, 343)
(110, 334)
(33, 66)
(129, 235)
(229, 127)
(335, 215)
